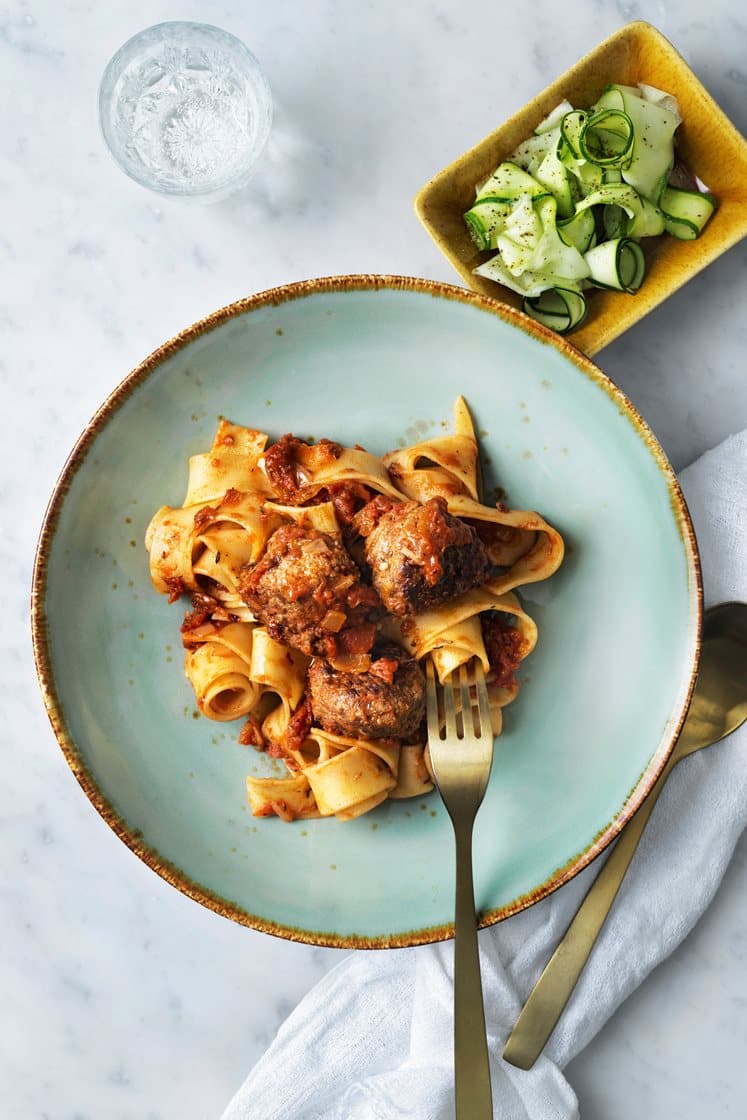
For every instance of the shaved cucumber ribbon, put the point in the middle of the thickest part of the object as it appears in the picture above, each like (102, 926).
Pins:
(606, 139)
(618, 264)
(686, 212)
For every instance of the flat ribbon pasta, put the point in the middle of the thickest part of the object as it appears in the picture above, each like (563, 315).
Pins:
(219, 670)
(442, 632)
(443, 466)
(533, 553)
(319, 467)
(321, 517)
(238, 670)
(413, 777)
(170, 540)
(452, 635)
(231, 464)
(210, 542)
(347, 776)
(290, 798)
(280, 673)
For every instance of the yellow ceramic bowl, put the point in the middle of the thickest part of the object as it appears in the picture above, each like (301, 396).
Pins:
(708, 143)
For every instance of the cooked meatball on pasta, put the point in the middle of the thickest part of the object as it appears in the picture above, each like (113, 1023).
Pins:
(308, 593)
(421, 556)
(387, 701)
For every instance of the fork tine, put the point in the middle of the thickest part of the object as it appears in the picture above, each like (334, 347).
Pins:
(483, 701)
(431, 702)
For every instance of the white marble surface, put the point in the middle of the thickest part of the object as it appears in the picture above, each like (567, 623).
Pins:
(121, 998)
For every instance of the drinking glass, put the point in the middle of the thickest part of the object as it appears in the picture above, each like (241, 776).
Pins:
(185, 110)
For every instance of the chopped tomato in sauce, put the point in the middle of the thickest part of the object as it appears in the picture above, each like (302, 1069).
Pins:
(204, 516)
(176, 587)
(356, 639)
(251, 735)
(385, 668)
(297, 730)
(285, 460)
(366, 520)
(504, 646)
(280, 466)
(348, 498)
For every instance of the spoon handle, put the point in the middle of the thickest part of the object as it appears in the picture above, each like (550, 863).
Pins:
(554, 987)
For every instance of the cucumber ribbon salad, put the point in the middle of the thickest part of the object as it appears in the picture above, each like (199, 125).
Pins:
(568, 209)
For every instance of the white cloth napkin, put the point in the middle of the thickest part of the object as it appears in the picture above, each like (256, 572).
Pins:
(373, 1040)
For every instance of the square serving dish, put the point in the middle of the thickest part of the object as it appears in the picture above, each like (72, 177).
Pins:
(707, 142)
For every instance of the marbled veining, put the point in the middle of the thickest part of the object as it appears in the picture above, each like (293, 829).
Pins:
(121, 998)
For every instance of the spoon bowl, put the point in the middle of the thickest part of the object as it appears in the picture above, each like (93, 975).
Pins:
(719, 703)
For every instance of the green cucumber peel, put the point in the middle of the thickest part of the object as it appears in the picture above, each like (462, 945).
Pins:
(683, 231)
(561, 309)
(607, 138)
(571, 127)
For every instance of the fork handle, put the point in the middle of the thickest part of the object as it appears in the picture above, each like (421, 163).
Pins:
(471, 1062)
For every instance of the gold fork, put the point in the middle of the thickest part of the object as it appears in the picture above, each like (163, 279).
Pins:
(460, 739)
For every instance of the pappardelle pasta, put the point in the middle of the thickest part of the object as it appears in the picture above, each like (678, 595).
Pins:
(321, 578)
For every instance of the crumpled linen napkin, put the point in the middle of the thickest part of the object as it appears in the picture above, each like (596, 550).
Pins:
(373, 1040)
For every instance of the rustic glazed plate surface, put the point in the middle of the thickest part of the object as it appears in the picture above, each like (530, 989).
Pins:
(379, 361)
(707, 142)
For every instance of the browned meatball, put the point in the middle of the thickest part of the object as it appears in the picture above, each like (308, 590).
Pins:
(385, 702)
(308, 593)
(421, 556)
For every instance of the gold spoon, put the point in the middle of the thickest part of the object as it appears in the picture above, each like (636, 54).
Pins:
(719, 706)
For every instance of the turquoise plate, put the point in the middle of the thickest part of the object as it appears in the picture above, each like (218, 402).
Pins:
(378, 361)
